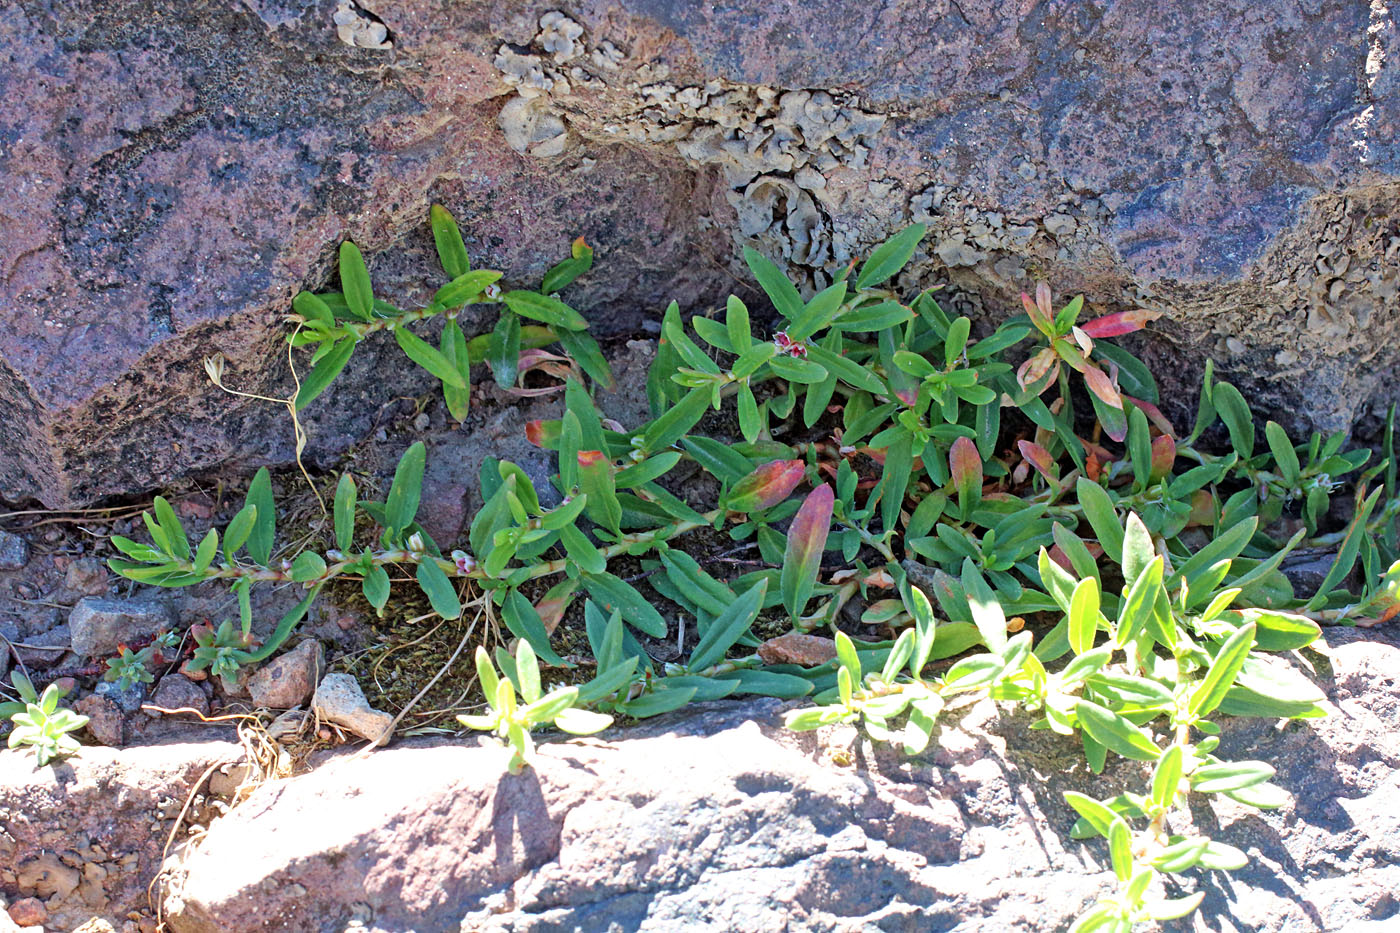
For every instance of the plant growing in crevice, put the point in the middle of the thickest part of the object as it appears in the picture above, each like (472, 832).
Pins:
(1123, 578)
(38, 722)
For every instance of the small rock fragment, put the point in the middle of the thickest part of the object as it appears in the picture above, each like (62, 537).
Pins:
(340, 700)
(45, 649)
(106, 723)
(128, 698)
(287, 681)
(14, 551)
(356, 26)
(797, 648)
(176, 691)
(96, 925)
(100, 624)
(29, 912)
(86, 576)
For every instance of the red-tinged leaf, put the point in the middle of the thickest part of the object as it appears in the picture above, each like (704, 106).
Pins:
(766, 486)
(543, 433)
(965, 467)
(1099, 384)
(1120, 323)
(1154, 415)
(1040, 317)
(1060, 557)
(1093, 467)
(1036, 373)
(555, 603)
(1042, 300)
(1040, 458)
(1163, 457)
(805, 543)
(1202, 508)
(579, 248)
(595, 478)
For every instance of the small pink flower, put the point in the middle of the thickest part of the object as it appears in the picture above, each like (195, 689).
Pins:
(788, 346)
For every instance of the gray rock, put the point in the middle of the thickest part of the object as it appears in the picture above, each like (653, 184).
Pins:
(175, 691)
(721, 820)
(340, 700)
(45, 649)
(288, 680)
(14, 551)
(106, 721)
(129, 698)
(99, 624)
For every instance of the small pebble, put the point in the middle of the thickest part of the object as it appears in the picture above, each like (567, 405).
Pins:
(14, 551)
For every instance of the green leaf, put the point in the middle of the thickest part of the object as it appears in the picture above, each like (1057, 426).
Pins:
(465, 288)
(728, 627)
(324, 372)
(986, 611)
(442, 595)
(580, 261)
(805, 544)
(1084, 615)
(1229, 776)
(768, 683)
(262, 535)
(1346, 554)
(1120, 848)
(1222, 672)
(890, 256)
(344, 512)
(584, 350)
(401, 506)
(376, 587)
(1138, 551)
(736, 324)
(1099, 817)
(313, 309)
(581, 551)
(354, 281)
(1234, 411)
(238, 530)
(456, 351)
(208, 548)
(1098, 509)
(819, 312)
(1115, 732)
(723, 461)
(596, 480)
(178, 543)
(774, 283)
(1139, 447)
(1167, 776)
(452, 252)
(525, 623)
(1284, 455)
(503, 350)
(308, 566)
(428, 356)
(539, 307)
(676, 421)
(613, 593)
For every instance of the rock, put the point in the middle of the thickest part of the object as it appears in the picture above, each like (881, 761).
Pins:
(721, 820)
(797, 648)
(670, 135)
(29, 912)
(100, 624)
(106, 721)
(129, 698)
(178, 692)
(46, 649)
(287, 681)
(86, 576)
(14, 551)
(96, 925)
(340, 700)
(95, 825)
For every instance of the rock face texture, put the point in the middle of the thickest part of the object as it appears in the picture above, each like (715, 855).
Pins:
(85, 836)
(175, 171)
(723, 821)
